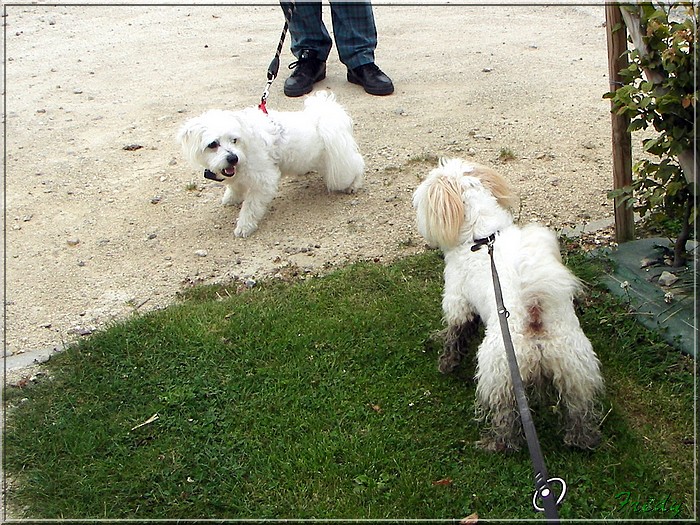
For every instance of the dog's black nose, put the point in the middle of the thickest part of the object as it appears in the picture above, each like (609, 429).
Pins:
(232, 158)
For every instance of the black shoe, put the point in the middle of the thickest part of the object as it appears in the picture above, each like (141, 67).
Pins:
(307, 71)
(373, 79)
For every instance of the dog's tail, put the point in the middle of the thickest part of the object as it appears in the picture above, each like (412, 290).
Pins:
(344, 166)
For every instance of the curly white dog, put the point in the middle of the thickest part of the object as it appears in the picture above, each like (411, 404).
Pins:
(458, 206)
(249, 150)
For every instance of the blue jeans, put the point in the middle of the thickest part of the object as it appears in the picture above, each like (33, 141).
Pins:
(353, 27)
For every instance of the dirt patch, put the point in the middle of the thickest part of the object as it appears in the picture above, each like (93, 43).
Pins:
(104, 217)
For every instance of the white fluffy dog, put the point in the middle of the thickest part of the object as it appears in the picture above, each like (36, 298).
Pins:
(459, 205)
(249, 150)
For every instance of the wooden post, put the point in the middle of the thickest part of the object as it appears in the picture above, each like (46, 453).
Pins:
(621, 138)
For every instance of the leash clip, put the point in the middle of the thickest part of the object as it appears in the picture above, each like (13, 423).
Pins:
(266, 91)
(545, 492)
(486, 241)
(263, 100)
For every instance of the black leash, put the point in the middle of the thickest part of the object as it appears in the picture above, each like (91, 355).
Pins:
(274, 67)
(542, 489)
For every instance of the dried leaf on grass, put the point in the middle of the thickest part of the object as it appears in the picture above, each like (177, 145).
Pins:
(444, 481)
(470, 520)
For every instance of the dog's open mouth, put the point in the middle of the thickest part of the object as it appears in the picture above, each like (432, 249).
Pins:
(229, 172)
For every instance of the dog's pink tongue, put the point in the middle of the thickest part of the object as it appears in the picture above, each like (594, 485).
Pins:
(230, 171)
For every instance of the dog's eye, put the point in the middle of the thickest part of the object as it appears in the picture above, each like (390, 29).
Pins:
(213, 145)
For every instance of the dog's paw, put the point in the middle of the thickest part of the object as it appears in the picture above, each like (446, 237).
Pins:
(355, 186)
(586, 441)
(449, 361)
(244, 230)
(491, 443)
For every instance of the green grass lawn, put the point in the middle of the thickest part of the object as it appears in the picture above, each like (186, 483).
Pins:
(321, 399)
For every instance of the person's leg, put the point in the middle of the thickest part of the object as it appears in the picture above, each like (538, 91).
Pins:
(307, 30)
(355, 32)
(356, 39)
(310, 43)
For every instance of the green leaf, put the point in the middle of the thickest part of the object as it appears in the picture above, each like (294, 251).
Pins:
(637, 124)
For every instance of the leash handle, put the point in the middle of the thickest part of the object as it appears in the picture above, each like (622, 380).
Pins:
(542, 488)
(546, 491)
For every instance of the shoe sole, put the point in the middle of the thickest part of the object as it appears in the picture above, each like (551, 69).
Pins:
(300, 92)
(372, 91)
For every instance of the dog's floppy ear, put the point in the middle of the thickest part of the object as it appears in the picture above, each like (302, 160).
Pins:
(189, 136)
(440, 211)
(497, 185)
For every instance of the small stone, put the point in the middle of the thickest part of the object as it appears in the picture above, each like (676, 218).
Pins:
(201, 253)
(667, 278)
(77, 91)
(80, 330)
(487, 70)
(74, 241)
(250, 283)
(132, 147)
(156, 199)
